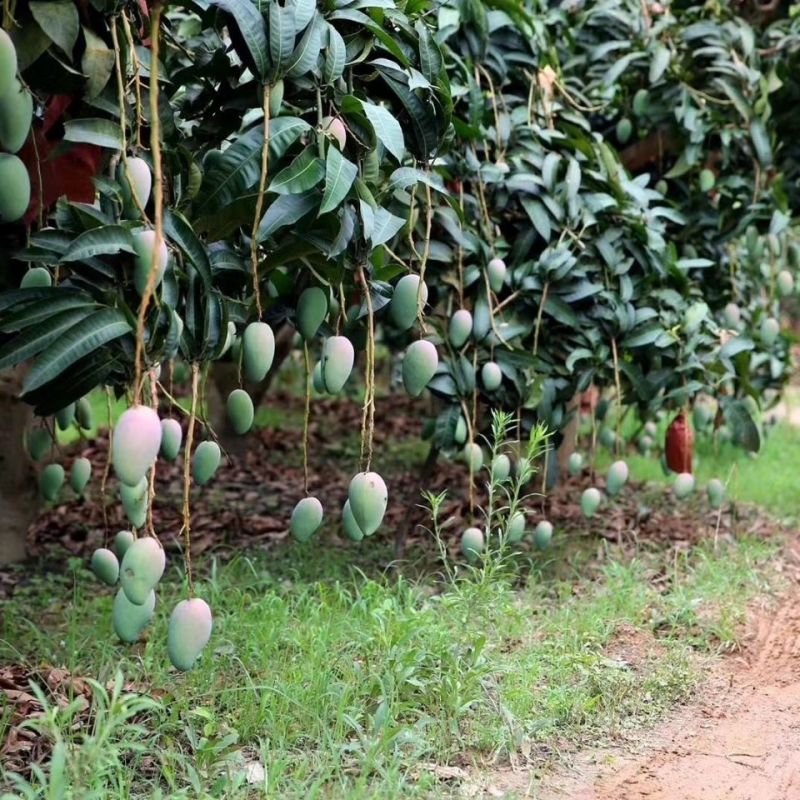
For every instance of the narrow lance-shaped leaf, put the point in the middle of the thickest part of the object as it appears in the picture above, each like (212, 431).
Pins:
(108, 240)
(386, 128)
(250, 23)
(339, 176)
(305, 172)
(101, 132)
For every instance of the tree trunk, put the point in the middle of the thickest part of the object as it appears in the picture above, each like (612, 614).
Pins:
(17, 489)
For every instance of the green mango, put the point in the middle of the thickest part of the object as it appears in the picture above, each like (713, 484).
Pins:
(258, 350)
(122, 541)
(515, 527)
(306, 519)
(590, 501)
(769, 330)
(351, 529)
(706, 180)
(617, 478)
(105, 566)
(473, 455)
(461, 431)
(408, 300)
(134, 501)
(205, 462)
(171, 438)
(65, 417)
(543, 534)
(624, 130)
(368, 498)
(460, 328)
(316, 378)
(732, 314)
(16, 115)
(472, 543)
(84, 414)
(137, 440)
(419, 366)
(148, 257)
(337, 363)
(142, 567)
(501, 468)
(651, 429)
(602, 408)
(702, 416)
(496, 272)
(36, 278)
(575, 464)
(50, 481)
(607, 437)
(240, 411)
(276, 98)
(785, 283)
(133, 174)
(38, 442)
(716, 493)
(481, 319)
(80, 474)
(641, 102)
(645, 444)
(130, 619)
(8, 62)
(492, 376)
(662, 187)
(15, 188)
(188, 633)
(312, 308)
(684, 485)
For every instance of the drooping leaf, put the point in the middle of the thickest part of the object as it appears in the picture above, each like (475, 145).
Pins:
(250, 24)
(179, 231)
(102, 132)
(385, 226)
(59, 20)
(97, 63)
(386, 128)
(106, 240)
(285, 210)
(339, 176)
(304, 173)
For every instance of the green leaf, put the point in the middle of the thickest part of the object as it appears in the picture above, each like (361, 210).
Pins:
(760, 137)
(335, 56)
(39, 336)
(385, 226)
(304, 57)
(339, 176)
(386, 128)
(659, 62)
(108, 240)
(736, 345)
(303, 12)
(180, 232)
(744, 429)
(97, 63)
(60, 21)
(91, 130)
(404, 177)
(430, 57)
(250, 23)
(286, 210)
(281, 35)
(304, 173)
(33, 313)
(80, 340)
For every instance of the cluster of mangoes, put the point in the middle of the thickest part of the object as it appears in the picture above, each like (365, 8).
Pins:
(16, 115)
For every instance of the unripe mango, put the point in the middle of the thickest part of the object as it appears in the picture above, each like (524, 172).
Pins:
(258, 350)
(79, 474)
(312, 308)
(351, 529)
(419, 366)
(732, 314)
(122, 541)
(105, 565)
(137, 439)
(769, 330)
(65, 417)
(51, 480)
(706, 180)
(496, 272)
(702, 416)
(461, 431)
(501, 467)
(205, 462)
(337, 363)
(716, 493)
(684, 485)
(171, 438)
(148, 257)
(334, 128)
(515, 528)
(617, 477)
(84, 414)
(142, 567)
(645, 444)
(276, 98)
(460, 327)
(8, 62)
(36, 278)
(575, 464)
(473, 455)
(641, 102)
(785, 283)
(542, 534)
(189, 631)
(481, 319)
(136, 173)
(368, 498)
(472, 543)
(15, 188)
(240, 411)
(135, 500)
(130, 619)
(16, 114)
(408, 300)
(590, 501)
(38, 442)
(306, 519)
(624, 130)
(316, 378)
(491, 375)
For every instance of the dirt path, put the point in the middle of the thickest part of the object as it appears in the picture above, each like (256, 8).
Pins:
(740, 740)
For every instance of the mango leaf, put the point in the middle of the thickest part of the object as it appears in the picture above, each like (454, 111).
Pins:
(281, 35)
(80, 340)
(33, 313)
(339, 176)
(108, 240)
(250, 24)
(404, 177)
(335, 56)
(304, 57)
(659, 62)
(180, 232)
(386, 128)
(304, 173)
(90, 130)
(97, 63)
(385, 226)
(743, 427)
(60, 21)
(37, 337)
(286, 210)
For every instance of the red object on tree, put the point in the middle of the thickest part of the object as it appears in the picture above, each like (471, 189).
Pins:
(67, 172)
(678, 444)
